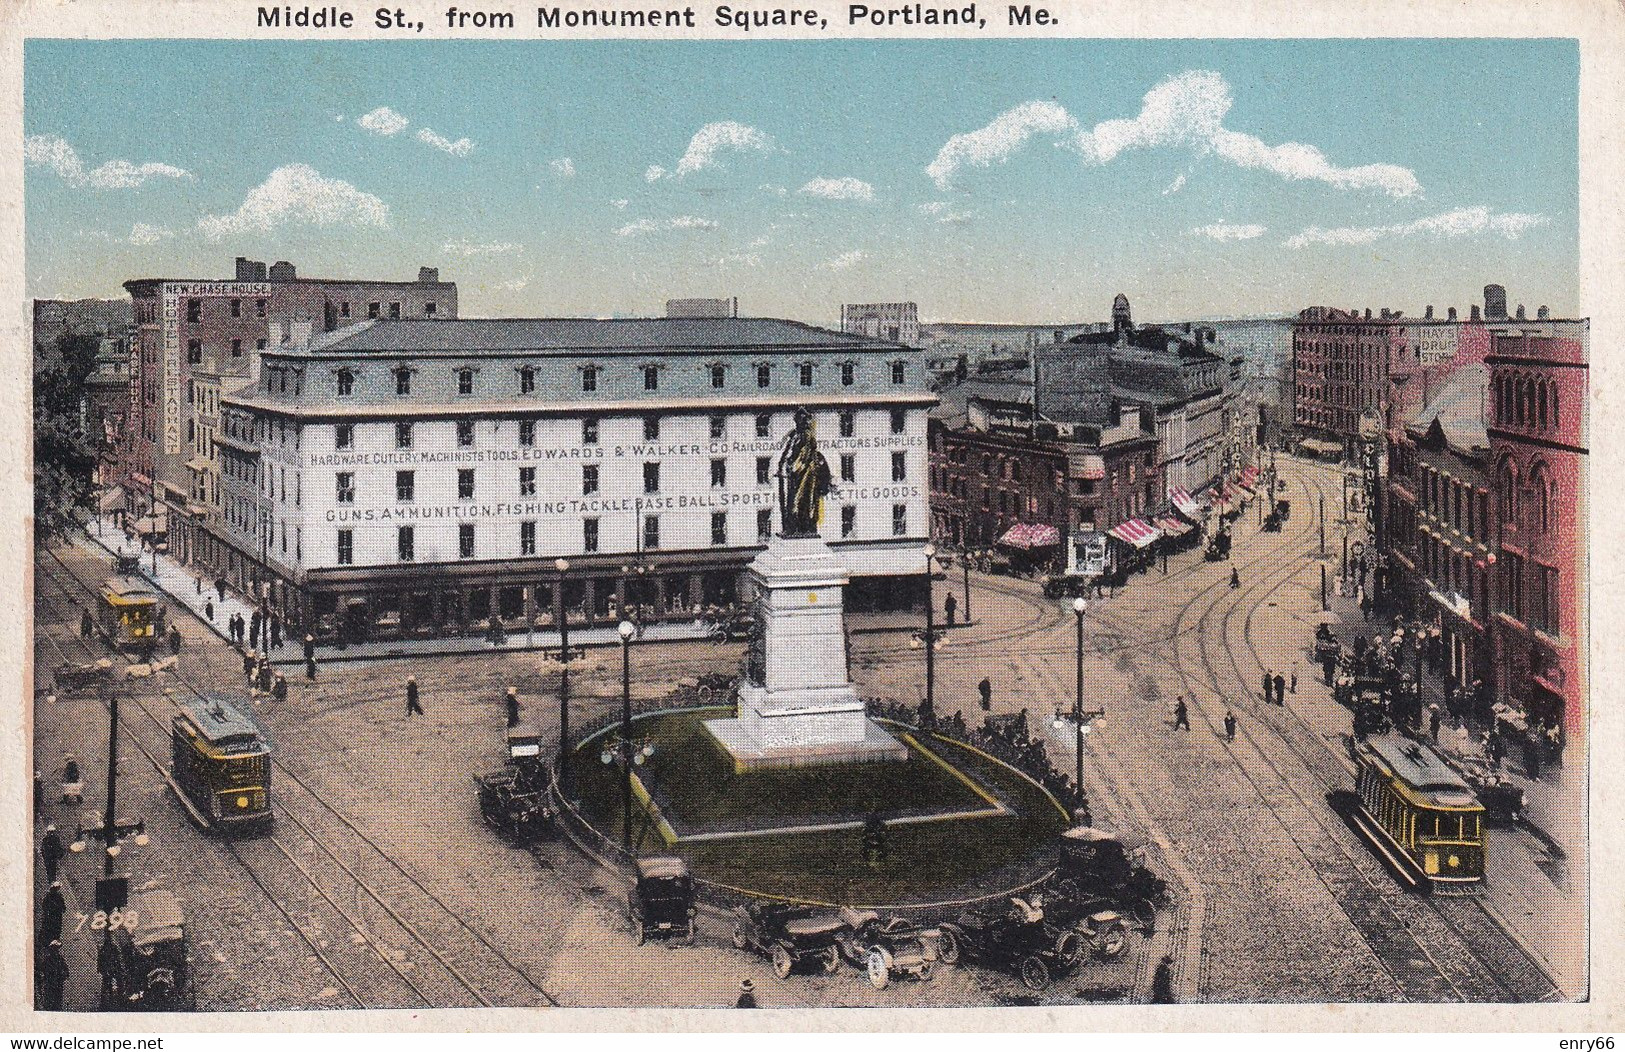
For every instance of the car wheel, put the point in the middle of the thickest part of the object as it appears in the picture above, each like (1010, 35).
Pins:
(1069, 947)
(1034, 973)
(924, 972)
(832, 960)
(949, 948)
(1114, 941)
(782, 962)
(740, 942)
(879, 970)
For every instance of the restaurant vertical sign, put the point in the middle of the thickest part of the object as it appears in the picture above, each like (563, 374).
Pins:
(172, 369)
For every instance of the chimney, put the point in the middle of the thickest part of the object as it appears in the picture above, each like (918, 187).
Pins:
(1368, 314)
(1520, 312)
(1428, 316)
(282, 271)
(1495, 303)
(1475, 312)
(1543, 312)
(245, 269)
(1451, 316)
(428, 275)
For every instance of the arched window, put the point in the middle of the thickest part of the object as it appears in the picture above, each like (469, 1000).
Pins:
(1555, 424)
(1540, 404)
(1543, 490)
(1507, 494)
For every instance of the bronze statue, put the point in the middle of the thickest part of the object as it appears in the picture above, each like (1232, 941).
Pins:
(804, 479)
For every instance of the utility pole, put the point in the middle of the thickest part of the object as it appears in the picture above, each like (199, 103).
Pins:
(1323, 535)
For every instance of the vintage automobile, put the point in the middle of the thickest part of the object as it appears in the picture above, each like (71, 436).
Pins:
(1101, 870)
(1068, 586)
(887, 949)
(1501, 798)
(1018, 941)
(513, 801)
(1102, 931)
(1272, 522)
(662, 899)
(1283, 508)
(152, 967)
(789, 935)
(1218, 547)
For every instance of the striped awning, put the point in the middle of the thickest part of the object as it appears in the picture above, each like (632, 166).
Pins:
(1172, 527)
(1185, 504)
(1031, 535)
(1136, 533)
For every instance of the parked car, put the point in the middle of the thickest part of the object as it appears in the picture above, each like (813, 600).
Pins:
(789, 935)
(1017, 941)
(1102, 931)
(887, 949)
(662, 899)
(1100, 867)
(152, 966)
(513, 801)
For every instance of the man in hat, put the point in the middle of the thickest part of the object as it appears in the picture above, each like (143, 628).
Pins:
(276, 631)
(310, 647)
(50, 976)
(512, 701)
(51, 851)
(1229, 725)
(87, 626)
(254, 628)
(279, 689)
(985, 688)
(747, 995)
(107, 967)
(1182, 715)
(1280, 689)
(1269, 684)
(412, 706)
(52, 909)
(248, 666)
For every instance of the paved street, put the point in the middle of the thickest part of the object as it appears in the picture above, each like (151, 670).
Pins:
(380, 886)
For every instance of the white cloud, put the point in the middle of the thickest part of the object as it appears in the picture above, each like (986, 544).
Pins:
(1230, 231)
(146, 234)
(774, 188)
(943, 212)
(383, 121)
(297, 193)
(563, 167)
(57, 154)
(517, 284)
(845, 188)
(465, 247)
(1460, 222)
(708, 142)
(844, 261)
(460, 148)
(1185, 111)
(619, 203)
(651, 226)
(1174, 187)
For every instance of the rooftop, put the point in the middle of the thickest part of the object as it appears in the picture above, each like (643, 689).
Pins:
(496, 335)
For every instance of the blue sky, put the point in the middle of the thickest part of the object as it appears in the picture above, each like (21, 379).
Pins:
(987, 180)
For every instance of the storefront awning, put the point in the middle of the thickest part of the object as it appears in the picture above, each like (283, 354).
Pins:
(1322, 447)
(111, 499)
(1172, 527)
(1136, 533)
(147, 524)
(1185, 504)
(1091, 467)
(1026, 535)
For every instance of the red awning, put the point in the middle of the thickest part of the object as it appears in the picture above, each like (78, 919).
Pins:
(1031, 535)
(1171, 527)
(1135, 532)
(1185, 504)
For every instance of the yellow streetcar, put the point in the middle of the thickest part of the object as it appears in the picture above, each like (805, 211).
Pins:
(1419, 814)
(221, 767)
(132, 617)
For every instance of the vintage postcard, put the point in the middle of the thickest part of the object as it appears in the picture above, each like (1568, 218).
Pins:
(656, 507)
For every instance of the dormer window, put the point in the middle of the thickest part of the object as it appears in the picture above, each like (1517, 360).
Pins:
(527, 380)
(849, 372)
(899, 372)
(589, 378)
(764, 375)
(465, 381)
(346, 382)
(651, 377)
(403, 381)
(719, 375)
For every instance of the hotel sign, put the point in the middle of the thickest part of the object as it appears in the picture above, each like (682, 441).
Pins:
(172, 294)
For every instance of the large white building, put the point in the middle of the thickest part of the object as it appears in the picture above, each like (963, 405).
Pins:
(417, 476)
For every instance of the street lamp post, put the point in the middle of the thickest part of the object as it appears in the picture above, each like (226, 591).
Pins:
(626, 631)
(562, 565)
(966, 566)
(111, 894)
(1323, 527)
(1079, 605)
(928, 712)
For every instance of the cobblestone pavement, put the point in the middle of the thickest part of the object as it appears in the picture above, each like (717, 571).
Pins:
(380, 886)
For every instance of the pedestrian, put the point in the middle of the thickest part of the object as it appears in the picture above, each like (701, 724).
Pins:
(1229, 725)
(52, 909)
(1235, 577)
(310, 669)
(254, 629)
(197, 583)
(276, 631)
(248, 666)
(208, 610)
(412, 706)
(1433, 722)
(1269, 684)
(262, 675)
(39, 794)
(87, 625)
(747, 995)
(1531, 758)
(70, 770)
(1280, 689)
(1328, 665)
(310, 647)
(1365, 604)
(1182, 715)
(949, 606)
(50, 976)
(174, 640)
(279, 689)
(985, 688)
(1162, 983)
(220, 587)
(512, 702)
(51, 851)
(1293, 683)
(234, 628)
(107, 968)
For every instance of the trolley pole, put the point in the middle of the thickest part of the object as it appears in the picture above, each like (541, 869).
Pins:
(1077, 702)
(1323, 606)
(626, 735)
(109, 823)
(563, 567)
(1323, 530)
(966, 567)
(928, 712)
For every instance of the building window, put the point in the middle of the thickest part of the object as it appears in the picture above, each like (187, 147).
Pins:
(764, 470)
(527, 538)
(465, 381)
(395, 309)
(849, 467)
(589, 479)
(849, 519)
(346, 487)
(805, 372)
(719, 472)
(651, 429)
(236, 348)
(527, 482)
(429, 309)
(764, 524)
(899, 520)
(346, 383)
(899, 421)
(899, 372)
(651, 477)
(259, 345)
(344, 436)
(589, 431)
(527, 380)
(344, 308)
(899, 467)
(719, 426)
(465, 432)
(403, 435)
(403, 381)
(236, 308)
(651, 532)
(372, 310)
(403, 544)
(465, 483)
(527, 432)
(404, 486)
(764, 375)
(589, 535)
(849, 423)
(589, 378)
(346, 547)
(848, 374)
(719, 375)
(764, 425)
(465, 540)
(719, 527)
(194, 352)
(651, 378)
(194, 310)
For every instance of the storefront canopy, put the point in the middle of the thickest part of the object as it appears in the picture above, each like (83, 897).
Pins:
(1025, 536)
(1172, 527)
(1136, 533)
(1185, 504)
(111, 499)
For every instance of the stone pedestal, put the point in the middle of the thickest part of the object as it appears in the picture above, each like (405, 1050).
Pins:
(804, 711)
